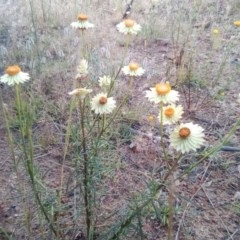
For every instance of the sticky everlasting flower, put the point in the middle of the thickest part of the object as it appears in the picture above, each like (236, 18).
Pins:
(80, 92)
(187, 137)
(171, 114)
(105, 81)
(236, 23)
(128, 26)
(101, 104)
(162, 93)
(82, 69)
(82, 22)
(133, 69)
(14, 75)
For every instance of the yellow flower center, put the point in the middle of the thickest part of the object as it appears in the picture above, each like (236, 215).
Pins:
(184, 132)
(162, 88)
(133, 66)
(169, 112)
(237, 23)
(82, 17)
(13, 70)
(103, 100)
(129, 23)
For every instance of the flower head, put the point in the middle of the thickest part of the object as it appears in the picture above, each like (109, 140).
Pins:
(82, 22)
(162, 93)
(133, 69)
(236, 23)
(187, 137)
(171, 114)
(105, 81)
(82, 69)
(215, 31)
(80, 92)
(101, 104)
(128, 26)
(14, 75)
(150, 118)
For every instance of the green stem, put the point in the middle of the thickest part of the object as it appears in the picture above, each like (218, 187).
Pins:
(25, 125)
(87, 190)
(129, 219)
(161, 136)
(124, 55)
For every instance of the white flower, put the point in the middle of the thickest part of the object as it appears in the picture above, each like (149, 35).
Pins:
(102, 104)
(82, 22)
(80, 92)
(171, 114)
(133, 69)
(162, 93)
(105, 81)
(82, 69)
(14, 75)
(187, 137)
(128, 26)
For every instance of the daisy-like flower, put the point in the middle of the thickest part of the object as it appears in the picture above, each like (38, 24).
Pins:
(129, 26)
(187, 137)
(80, 92)
(162, 93)
(14, 75)
(105, 81)
(82, 22)
(236, 23)
(171, 114)
(101, 104)
(133, 69)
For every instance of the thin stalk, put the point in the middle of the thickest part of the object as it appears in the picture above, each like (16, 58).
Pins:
(87, 193)
(65, 151)
(128, 38)
(170, 207)
(27, 148)
(38, 68)
(214, 149)
(15, 164)
(129, 219)
(84, 45)
(161, 136)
